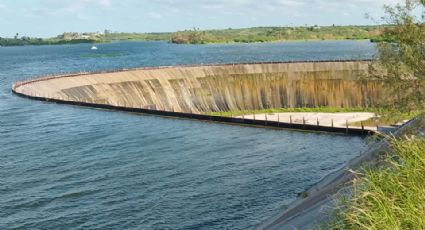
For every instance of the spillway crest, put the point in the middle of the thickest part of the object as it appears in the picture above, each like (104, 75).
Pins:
(200, 89)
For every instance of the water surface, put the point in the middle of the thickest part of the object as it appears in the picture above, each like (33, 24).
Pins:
(67, 167)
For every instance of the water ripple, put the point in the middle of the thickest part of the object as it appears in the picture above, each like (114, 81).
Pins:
(66, 167)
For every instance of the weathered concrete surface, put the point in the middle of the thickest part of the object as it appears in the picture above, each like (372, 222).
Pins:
(199, 89)
(324, 119)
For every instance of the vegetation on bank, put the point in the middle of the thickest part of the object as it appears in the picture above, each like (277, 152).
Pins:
(110, 36)
(401, 64)
(196, 36)
(25, 41)
(391, 196)
(388, 117)
(271, 34)
(79, 38)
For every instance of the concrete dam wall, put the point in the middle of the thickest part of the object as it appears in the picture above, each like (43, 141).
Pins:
(199, 89)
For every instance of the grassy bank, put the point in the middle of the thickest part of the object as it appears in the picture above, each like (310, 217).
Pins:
(385, 116)
(391, 196)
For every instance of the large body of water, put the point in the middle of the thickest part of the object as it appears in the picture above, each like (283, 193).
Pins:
(67, 167)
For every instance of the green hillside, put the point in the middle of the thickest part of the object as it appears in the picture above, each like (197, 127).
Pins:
(196, 36)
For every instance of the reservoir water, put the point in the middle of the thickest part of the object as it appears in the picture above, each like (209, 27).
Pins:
(67, 167)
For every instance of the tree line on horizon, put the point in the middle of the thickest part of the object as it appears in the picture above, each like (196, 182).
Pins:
(271, 34)
(197, 36)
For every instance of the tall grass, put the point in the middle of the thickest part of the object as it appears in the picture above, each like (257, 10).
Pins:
(391, 196)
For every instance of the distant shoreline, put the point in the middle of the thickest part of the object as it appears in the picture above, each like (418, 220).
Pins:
(211, 43)
(225, 36)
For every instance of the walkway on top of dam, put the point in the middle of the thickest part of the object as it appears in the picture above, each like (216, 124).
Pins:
(337, 119)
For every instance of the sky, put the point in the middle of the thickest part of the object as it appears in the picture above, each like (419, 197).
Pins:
(48, 18)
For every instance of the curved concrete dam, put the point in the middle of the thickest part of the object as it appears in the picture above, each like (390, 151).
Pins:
(230, 87)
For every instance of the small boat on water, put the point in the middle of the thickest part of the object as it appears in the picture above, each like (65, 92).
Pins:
(94, 48)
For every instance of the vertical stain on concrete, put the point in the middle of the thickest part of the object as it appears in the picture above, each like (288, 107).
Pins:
(222, 88)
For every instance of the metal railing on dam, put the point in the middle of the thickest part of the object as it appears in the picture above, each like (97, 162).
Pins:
(149, 90)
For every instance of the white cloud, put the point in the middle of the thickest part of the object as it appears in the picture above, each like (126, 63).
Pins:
(72, 6)
(180, 14)
(247, 7)
(291, 3)
(264, 7)
(154, 15)
(83, 17)
(213, 6)
(104, 3)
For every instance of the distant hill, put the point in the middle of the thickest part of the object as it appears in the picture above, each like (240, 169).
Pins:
(196, 36)
(270, 34)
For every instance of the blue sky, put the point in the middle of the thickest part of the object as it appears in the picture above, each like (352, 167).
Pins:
(44, 18)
